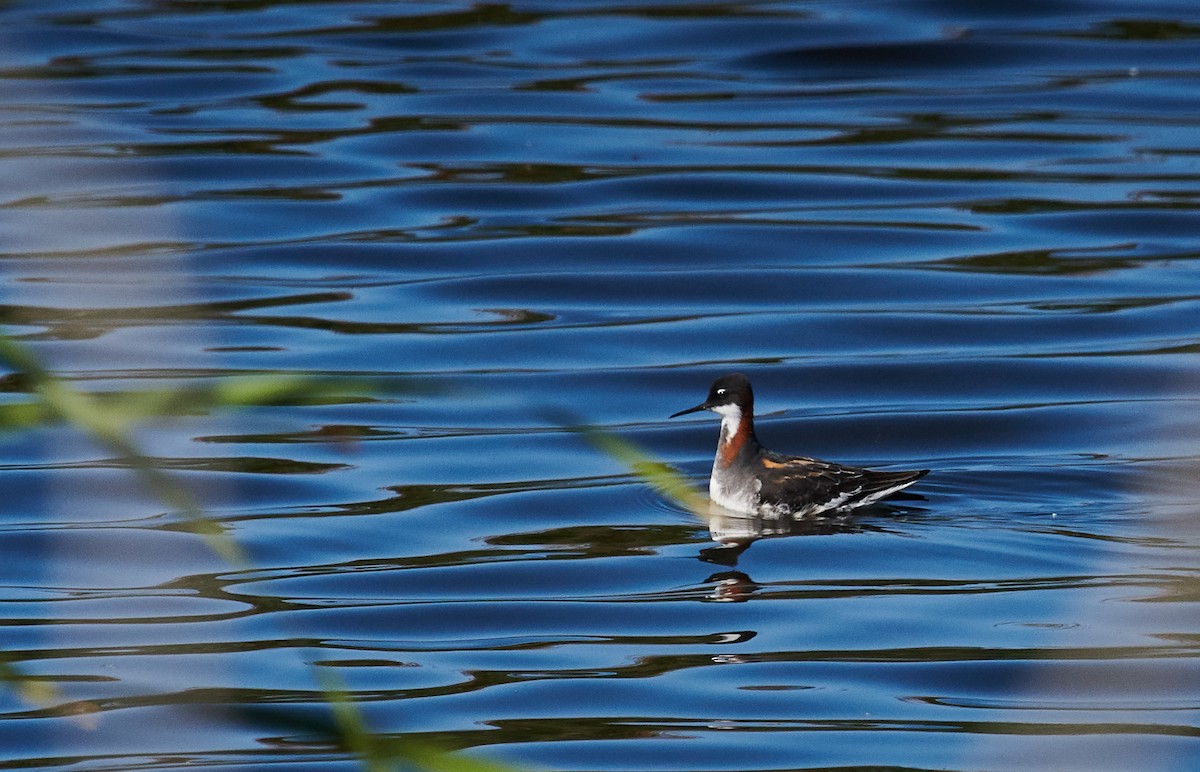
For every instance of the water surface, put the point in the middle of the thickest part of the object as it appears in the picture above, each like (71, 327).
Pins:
(934, 236)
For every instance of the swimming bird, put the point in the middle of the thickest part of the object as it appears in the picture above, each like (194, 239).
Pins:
(748, 478)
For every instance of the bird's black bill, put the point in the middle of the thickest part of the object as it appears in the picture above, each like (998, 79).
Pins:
(696, 409)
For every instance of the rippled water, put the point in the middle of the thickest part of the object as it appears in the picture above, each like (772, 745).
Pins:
(935, 234)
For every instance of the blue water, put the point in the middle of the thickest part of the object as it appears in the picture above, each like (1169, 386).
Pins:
(937, 235)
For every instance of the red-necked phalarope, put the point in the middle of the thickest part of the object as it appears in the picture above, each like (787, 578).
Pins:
(746, 477)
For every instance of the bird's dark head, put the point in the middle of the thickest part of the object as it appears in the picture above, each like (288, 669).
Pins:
(727, 393)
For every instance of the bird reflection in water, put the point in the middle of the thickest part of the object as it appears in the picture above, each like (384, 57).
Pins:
(735, 532)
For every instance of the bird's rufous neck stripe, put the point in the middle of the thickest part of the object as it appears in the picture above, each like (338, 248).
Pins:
(733, 445)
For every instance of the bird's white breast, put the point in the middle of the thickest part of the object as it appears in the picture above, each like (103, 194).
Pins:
(736, 494)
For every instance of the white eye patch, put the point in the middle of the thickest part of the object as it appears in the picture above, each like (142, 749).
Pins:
(720, 392)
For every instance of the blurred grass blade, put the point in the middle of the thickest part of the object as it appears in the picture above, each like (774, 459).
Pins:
(380, 753)
(106, 419)
(658, 475)
(32, 690)
(351, 726)
(108, 428)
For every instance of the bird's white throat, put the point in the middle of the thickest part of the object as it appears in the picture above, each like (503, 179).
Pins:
(731, 419)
